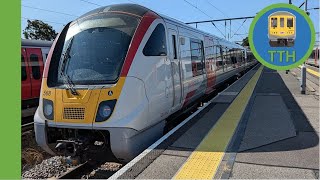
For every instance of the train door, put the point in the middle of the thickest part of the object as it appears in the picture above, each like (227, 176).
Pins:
(210, 64)
(175, 66)
(25, 76)
(35, 68)
(283, 24)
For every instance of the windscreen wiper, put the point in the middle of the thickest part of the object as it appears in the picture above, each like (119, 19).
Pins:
(66, 79)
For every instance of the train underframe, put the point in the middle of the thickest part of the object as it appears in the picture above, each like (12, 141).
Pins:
(281, 42)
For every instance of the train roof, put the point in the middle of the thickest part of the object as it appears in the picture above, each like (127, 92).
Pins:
(128, 8)
(36, 43)
(141, 10)
(281, 13)
(221, 40)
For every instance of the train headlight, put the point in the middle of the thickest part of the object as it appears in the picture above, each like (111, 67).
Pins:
(48, 109)
(105, 110)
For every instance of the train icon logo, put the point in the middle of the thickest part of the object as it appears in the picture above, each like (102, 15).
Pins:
(282, 29)
(281, 36)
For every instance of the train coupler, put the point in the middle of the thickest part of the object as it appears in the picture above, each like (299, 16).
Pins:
(72, 148)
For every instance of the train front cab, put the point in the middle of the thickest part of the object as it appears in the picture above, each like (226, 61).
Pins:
(281, 29)
(88, 93)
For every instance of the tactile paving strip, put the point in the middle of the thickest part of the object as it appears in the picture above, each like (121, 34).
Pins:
(204, 161)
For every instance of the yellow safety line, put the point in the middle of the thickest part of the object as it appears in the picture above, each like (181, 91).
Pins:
(316, 73)
(204, 161)
(313, 72)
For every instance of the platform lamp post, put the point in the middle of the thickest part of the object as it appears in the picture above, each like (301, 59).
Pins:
(303, 68)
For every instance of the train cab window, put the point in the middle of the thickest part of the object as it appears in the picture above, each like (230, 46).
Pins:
(34, 59)
(23, 69)
(281, 22)
(274, 22)
(156, 45)
(290, 22)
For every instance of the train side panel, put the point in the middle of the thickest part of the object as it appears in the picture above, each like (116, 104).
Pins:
(192, 61)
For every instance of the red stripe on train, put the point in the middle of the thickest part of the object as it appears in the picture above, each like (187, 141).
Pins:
(48, 60)
(145, 23)
(188, 97)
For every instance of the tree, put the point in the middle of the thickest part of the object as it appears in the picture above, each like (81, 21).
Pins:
(245, 42)
(37, 29)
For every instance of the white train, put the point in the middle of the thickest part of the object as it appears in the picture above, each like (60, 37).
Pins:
(115, 75)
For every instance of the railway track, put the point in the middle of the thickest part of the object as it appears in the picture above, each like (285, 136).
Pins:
(27, 119)
(27, 127)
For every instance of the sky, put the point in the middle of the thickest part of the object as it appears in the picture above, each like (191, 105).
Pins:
(57, 13)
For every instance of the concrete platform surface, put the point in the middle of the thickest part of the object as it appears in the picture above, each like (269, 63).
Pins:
(277, 136)
(269, 122)
(292, 157)
(244, 171)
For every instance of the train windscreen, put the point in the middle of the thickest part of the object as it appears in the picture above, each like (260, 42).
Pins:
(281, 22)
(290, 22)
(274, 22)
(95, 48)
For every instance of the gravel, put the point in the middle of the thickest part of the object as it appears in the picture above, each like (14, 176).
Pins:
(48, 168)
(31, 153)
(104, 171)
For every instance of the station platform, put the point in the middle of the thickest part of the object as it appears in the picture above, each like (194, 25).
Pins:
(259, 127)
(313, 62)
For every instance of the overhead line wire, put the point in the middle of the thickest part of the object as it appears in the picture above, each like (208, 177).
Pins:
(224, 14)
(204, 14)
(90, 3)
(198, 8)
(43, 20)
(209, 17)
(239, 27)
(49, 10)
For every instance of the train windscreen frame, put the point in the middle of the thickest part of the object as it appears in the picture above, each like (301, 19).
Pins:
(94, 49)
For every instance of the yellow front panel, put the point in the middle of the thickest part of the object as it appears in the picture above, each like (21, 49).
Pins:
(76, 109)
(81, 108)
(281, 31)
(47, 93)
(116, 91)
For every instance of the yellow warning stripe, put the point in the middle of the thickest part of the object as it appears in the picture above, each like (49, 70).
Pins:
(316, 73)
(313, 72)
(204, 161)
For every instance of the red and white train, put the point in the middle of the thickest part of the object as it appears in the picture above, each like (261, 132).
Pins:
(33, 56)
(117, 73)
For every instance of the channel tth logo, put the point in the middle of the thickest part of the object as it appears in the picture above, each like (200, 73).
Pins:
(281, 36)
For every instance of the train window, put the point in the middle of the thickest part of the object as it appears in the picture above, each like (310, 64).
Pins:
(219, 57)
(228, 57)
(174, 47)
(290, 22)
(197, 56)
(234, 55)
(156, 45)
(274, 22)
(23, 69)
(34, 60)
(281, 22)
